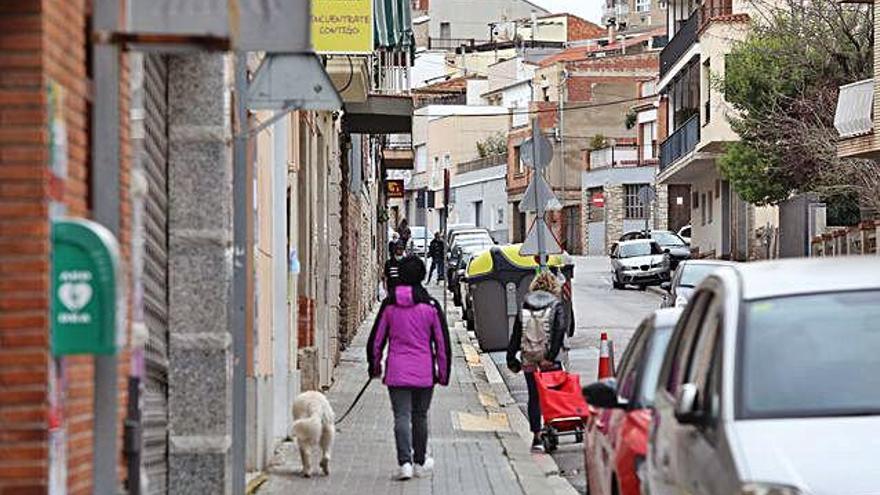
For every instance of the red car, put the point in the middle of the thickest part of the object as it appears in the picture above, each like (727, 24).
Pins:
(616, 439)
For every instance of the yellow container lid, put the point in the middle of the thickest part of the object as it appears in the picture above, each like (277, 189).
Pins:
(482, 263)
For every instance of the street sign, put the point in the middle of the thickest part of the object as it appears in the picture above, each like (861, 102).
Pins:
(531, 246)
(536, 157)
(544, 195)
(347, 32)
(394, 188)
(86, 296)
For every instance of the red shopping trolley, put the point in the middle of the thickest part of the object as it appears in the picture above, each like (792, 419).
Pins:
(563, 406)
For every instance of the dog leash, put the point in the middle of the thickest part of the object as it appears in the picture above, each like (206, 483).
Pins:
(356, 399)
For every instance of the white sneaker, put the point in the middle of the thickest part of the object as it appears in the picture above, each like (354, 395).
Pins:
(425, 470)
(405, 472)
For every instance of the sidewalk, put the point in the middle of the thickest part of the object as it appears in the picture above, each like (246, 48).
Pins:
(476, 435)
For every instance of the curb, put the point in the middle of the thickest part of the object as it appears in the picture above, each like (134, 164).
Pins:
(534, 471)
(657, 290)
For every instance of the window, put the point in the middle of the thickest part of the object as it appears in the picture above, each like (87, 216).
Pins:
(500, 215)
(643, 5)
(478, 213)
(663, 4)
(447, 161)
(684, 95)
(632, 204)
(445, 30)
(421, 158)
(436, 163)
(696, 200)
(704, 361)
(707, 91)
(517, 159)
(628, 374)
(703, 210)
(674, 368)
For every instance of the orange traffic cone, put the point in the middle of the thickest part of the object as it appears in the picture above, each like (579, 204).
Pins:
(606, 369)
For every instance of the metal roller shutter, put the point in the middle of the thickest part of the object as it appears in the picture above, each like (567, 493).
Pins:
(155, 162)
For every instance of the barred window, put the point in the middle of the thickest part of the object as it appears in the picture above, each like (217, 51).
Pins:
(632, 205)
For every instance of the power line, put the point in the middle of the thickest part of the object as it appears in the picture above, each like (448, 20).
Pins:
(542, 110)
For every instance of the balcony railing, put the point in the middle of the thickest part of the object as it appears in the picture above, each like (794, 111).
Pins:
(680, 43)
(453, 43)
(481, 163)
(622, 156)
(680, 143)
(855, 105)
(712, 9)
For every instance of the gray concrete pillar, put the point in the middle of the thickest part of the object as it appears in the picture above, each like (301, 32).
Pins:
(200, 274)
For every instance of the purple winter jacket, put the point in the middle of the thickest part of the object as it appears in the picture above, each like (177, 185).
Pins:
(414, 328)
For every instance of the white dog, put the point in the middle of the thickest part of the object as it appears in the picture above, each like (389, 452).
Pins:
(313, 426)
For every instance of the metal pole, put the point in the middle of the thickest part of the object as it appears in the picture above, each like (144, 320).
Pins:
(539, 208)
(106, 211)
(239, 274)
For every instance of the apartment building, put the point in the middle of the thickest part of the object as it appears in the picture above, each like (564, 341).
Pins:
(616, 175)
(695, 123)
(634, 15)
(857, 118)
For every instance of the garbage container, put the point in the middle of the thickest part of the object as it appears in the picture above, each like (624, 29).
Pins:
(497, 281)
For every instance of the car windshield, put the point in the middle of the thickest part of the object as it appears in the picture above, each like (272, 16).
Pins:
(694, 273)
(639, 249)
(653, 363)
(667, 239)
(811, 355)
(417, 232)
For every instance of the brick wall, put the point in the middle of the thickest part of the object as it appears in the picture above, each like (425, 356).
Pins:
(42, 42)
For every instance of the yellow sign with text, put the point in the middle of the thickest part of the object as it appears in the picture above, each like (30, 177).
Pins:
(342, 26)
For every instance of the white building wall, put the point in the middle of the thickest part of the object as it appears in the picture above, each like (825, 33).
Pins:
(488, 186)
(471, 19)
(429, 65)
(707, 235)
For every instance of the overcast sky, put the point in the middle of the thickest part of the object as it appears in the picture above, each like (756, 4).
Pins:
(590, 10)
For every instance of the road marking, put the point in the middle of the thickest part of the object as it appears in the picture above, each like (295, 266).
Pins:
(480, 422)
(488, 400)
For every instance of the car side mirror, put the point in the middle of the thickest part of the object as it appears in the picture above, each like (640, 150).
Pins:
(686, 405)
(603, 394)
(667, 286)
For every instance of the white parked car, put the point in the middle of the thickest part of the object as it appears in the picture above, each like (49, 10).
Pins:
(685, 234)
(639, 262)
(771, 383)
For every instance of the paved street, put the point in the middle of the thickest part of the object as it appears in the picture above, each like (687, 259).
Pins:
(598, 308)
(476, 441)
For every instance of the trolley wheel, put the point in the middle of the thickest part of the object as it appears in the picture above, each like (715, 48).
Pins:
(469, 321)
(551, 440)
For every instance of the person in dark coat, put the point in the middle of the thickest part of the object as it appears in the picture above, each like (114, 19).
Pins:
(435, 252)
(543, 295)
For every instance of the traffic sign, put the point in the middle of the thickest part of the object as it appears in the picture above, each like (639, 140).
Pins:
(544, 195)
(540, 234)
(536, 157)
(598, 200)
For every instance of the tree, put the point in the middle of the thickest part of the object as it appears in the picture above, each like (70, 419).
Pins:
(782, 81)
(496, 144)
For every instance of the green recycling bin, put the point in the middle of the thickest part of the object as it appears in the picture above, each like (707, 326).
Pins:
(497, 281)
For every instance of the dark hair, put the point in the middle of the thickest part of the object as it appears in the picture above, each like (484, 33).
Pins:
(412, 271)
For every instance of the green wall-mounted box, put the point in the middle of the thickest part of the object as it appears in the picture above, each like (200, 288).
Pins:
(86, 294)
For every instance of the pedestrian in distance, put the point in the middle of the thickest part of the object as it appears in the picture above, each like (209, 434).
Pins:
(412, 326)
(435, 252)
(404, 231)
(395, 238)
(391, 274)
(538, 336)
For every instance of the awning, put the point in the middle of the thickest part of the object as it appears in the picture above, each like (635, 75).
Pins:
(392, 21)
(292, 81)
(380, 114)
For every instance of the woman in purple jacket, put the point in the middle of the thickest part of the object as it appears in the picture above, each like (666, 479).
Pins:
(412, 324)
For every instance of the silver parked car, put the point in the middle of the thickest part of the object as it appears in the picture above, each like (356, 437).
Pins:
(638, 262)
(685, 278)
(771, 383)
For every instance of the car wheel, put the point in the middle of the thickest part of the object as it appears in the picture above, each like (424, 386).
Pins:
(614, 283)
(642, 288)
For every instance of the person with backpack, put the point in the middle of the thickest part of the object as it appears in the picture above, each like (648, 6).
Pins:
(538, 336)
(412, 325)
